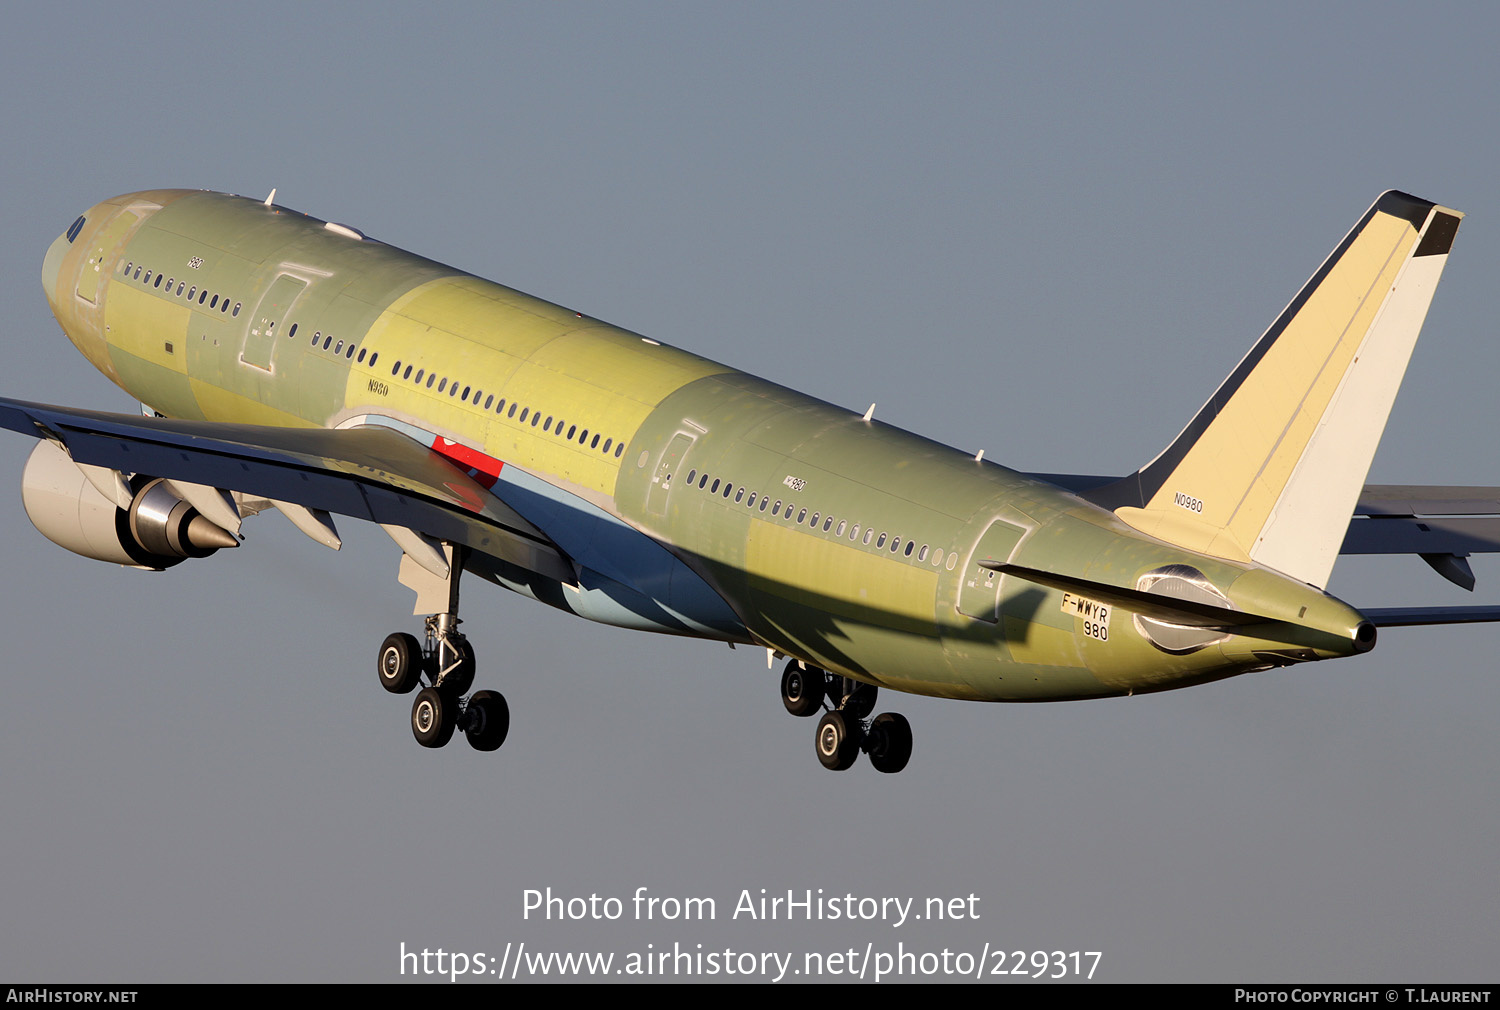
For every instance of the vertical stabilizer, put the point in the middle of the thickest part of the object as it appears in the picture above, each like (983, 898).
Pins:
(1271, 468)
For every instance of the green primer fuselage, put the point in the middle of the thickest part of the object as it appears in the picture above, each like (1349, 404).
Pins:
(847, 543)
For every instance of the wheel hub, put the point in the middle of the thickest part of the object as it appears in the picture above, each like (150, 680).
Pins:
(828, 741)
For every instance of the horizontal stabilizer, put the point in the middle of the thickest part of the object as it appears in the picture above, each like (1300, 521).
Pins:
(1422, 535)
(1409, 617)
(1442, 524)
(1428, 500)
(1188, 613)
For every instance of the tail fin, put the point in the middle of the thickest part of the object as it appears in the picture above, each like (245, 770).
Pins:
(1271, 468)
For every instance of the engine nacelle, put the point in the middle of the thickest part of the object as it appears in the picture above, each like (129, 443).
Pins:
(157, 531)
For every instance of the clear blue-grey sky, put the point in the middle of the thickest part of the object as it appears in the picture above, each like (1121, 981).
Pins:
(1046, 231)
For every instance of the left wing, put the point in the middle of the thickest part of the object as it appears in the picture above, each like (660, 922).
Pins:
(374, 473)
(424, 494)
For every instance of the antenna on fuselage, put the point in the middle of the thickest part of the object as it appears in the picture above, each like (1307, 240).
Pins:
(869, 413)
(271, 197)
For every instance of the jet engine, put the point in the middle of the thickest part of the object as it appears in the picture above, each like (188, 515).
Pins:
(157, 529)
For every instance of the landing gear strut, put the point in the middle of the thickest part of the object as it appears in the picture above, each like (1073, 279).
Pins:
(446, 660)
(843, 732)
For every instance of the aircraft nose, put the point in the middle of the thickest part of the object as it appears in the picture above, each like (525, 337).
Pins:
(52, 266)
(52, 263)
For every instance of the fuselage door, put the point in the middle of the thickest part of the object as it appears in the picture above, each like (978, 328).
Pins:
(979, 593)
(104, 243)
(270, 319)
(666, 472)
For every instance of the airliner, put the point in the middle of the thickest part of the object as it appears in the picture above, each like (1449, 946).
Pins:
(288, 363)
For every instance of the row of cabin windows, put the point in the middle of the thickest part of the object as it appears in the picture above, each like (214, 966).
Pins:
(327, 341)
(211, 300)
(469, 394)
(158, 280)
(838, 528)
(164, 284)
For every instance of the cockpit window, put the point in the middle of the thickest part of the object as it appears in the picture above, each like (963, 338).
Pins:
(75, 228)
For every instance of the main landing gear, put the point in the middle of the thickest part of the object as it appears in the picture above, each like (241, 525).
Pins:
(446, 660)
(843, 732)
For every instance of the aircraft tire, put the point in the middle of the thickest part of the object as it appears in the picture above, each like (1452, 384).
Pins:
(802, 690)
(400, 663)
(432, 717)
(889, 742)
(837, 740)
(488, 720)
